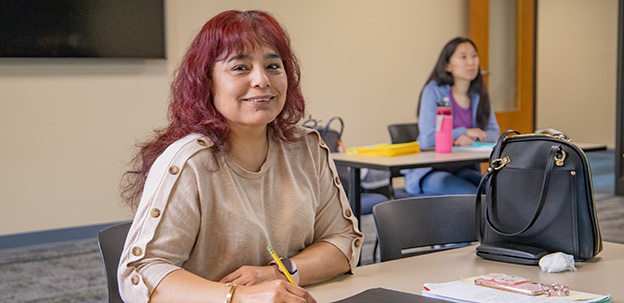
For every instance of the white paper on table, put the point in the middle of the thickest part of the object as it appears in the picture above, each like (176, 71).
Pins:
(458, 291)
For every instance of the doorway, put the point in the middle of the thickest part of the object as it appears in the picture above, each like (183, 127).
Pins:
(512, 81)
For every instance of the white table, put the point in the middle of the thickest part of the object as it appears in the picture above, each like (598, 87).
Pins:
(601, 275)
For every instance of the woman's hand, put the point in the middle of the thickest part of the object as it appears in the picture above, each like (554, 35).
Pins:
(274, 291)
(183, 286)
(463, 140)
(252, 275)
(476, 134)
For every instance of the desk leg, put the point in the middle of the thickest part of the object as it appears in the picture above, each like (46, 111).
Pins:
(354, 193)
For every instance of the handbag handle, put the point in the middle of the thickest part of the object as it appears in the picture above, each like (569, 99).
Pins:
(310, 123)
(341, 125)
(498, 147)
(313, 123)
(545, 184)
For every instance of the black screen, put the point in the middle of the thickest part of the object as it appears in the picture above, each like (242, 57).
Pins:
(82, 28)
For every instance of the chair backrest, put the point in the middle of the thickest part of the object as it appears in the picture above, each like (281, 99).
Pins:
(111, 241)
(409, 223)
(403, 133)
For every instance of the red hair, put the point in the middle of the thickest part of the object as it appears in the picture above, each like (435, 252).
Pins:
(192, 109)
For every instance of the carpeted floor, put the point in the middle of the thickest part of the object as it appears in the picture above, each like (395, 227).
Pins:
(72, 271)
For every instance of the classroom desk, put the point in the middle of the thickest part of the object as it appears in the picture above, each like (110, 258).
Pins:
(417, 160)
(602, 275)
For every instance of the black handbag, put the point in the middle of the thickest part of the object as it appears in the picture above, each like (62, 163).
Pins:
(331, 136)
(538, 199)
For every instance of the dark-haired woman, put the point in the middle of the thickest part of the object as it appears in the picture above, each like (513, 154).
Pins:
(457, 76)
(231, 174)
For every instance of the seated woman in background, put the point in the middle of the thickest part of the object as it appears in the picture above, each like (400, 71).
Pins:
(231, 174)
(457, 76)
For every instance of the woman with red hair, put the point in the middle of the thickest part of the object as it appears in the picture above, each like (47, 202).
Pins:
(232, 174)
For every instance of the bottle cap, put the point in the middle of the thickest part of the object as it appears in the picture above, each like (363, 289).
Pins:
(444, 102)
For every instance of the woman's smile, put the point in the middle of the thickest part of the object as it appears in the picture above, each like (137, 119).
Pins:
(259, 99)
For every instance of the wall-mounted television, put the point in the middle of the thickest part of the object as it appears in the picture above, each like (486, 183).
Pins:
(82, 29)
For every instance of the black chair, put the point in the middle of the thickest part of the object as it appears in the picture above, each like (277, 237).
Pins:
(403, 132)
(111, 241)
(420, 225)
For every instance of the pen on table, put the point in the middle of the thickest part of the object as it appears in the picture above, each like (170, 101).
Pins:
(281, 265)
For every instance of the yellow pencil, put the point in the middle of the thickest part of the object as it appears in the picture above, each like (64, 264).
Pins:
(281, 265)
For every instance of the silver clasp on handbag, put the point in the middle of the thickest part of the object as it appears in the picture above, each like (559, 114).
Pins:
(559, 161)
(500, 163)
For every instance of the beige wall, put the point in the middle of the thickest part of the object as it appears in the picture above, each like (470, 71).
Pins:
(576, 68)
(69, 126)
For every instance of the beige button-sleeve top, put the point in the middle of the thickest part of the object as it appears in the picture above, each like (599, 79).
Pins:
(210, 216)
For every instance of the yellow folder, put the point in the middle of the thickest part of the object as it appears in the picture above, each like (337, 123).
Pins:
(385, 150)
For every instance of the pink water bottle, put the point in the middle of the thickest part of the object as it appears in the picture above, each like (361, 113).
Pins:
(444, 127)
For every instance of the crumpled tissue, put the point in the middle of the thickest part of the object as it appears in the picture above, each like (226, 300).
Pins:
(557, 262)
